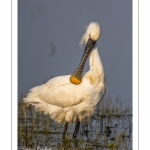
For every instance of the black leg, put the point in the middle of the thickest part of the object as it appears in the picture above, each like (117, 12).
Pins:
(76, 128)
(65, 130)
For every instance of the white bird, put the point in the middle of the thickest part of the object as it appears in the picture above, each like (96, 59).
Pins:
(72, 98)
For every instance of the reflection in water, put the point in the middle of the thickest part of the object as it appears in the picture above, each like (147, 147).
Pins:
(109, 128)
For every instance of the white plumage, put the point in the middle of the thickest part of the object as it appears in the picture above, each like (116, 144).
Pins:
(63, 100)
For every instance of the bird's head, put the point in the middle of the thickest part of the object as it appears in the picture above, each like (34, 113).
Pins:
(92, 32)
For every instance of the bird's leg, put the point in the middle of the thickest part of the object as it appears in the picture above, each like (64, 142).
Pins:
(76, 128)
(65, 130)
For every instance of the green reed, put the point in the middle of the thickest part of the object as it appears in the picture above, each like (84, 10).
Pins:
(110, 128)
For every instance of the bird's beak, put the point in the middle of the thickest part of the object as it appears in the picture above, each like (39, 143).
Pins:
(76, 77)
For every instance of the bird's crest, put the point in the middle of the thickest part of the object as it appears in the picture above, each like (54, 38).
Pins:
(92, 31)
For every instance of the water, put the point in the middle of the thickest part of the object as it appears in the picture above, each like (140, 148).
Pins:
(109, 129)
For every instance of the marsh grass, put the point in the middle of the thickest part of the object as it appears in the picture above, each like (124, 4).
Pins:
(109, 129)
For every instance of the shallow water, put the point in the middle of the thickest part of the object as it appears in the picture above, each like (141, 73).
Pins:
(109, 128)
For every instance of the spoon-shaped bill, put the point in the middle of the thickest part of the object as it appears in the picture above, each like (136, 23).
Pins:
(76, 77)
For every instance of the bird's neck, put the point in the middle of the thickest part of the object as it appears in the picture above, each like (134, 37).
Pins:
(95, 62)
(96, 72)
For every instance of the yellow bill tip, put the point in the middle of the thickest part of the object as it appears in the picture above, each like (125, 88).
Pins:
(75, 80)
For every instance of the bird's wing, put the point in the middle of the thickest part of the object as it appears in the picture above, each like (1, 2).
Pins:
(105, 90)
(61, 92)
(103, 94)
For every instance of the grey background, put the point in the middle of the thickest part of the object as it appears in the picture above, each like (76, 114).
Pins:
(48, 41)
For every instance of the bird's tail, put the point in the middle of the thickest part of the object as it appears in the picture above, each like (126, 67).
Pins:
(55, 112)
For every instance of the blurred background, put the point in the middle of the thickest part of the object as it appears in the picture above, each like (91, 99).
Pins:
(48, 42)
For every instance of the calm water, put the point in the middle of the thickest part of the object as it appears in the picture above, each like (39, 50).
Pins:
(109, 129)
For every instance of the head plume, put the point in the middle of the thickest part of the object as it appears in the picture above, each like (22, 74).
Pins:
(92, 31)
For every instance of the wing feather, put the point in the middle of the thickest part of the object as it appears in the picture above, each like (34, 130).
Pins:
(61, 92)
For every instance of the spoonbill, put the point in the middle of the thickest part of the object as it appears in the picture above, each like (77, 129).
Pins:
(73, 98)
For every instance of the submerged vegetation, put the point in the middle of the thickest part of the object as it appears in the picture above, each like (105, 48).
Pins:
(109, 129)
